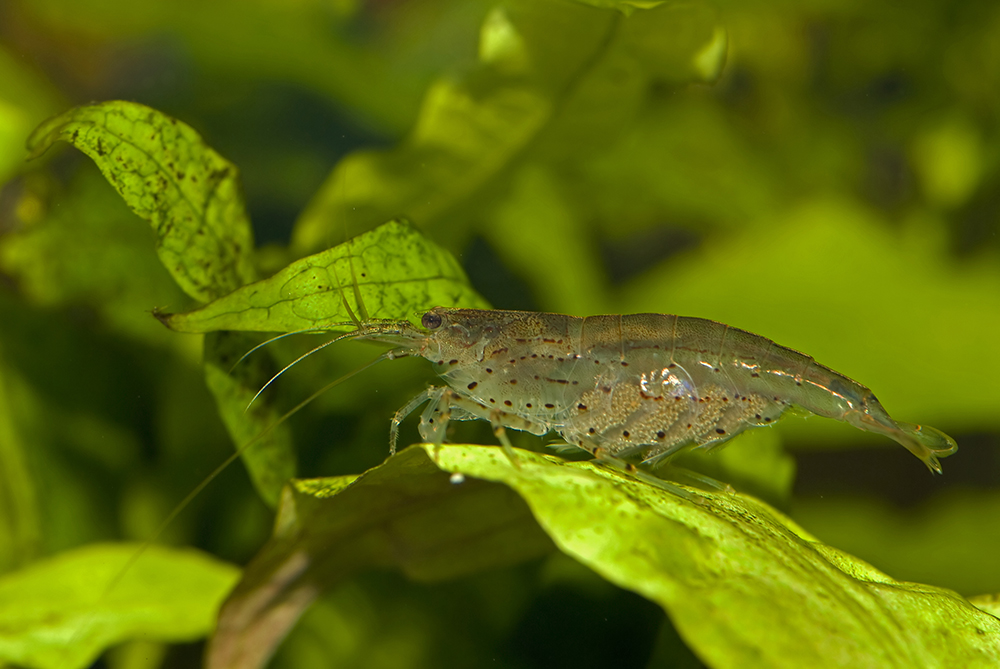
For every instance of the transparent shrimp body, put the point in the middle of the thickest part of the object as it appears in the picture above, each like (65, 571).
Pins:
(642, 384)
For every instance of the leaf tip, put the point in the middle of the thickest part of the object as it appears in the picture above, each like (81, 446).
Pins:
(163, 317)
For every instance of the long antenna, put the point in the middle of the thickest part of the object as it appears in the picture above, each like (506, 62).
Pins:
(324, 328)
(298, 360)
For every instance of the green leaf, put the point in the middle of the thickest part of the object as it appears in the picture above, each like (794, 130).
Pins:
(742, 583)
(62, 612)
(390, 272)
(172, 179)
(461, 140)
(270, 458)
(554, 80)
(405, 514)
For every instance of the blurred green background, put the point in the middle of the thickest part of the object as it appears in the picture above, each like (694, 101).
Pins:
(824, 174)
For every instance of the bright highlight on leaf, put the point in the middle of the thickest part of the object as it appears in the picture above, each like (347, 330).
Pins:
(60, 613)
(168, 175)
(392, 271)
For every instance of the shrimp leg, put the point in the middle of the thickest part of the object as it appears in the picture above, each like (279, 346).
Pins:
(445, 405)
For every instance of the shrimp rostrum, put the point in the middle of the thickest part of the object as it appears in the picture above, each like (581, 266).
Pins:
(645, 385)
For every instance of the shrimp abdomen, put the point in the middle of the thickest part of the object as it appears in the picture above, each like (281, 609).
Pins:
(790, 377)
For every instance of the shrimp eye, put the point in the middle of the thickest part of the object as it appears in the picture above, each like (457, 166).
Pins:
(431, 321)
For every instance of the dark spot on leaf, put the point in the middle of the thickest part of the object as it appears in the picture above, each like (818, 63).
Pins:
(472, 385)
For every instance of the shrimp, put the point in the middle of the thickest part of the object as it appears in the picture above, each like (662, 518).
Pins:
(645, 385)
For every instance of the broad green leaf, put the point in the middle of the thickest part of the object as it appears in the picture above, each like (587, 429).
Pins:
(554, 80)
(172, 179)
(191, 196)
(270, 457)
(391, 272)
(742, 583)
(405, 514)
(60, 613)
(744, 586)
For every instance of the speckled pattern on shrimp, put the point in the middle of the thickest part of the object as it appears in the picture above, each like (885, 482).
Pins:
(644, 384)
